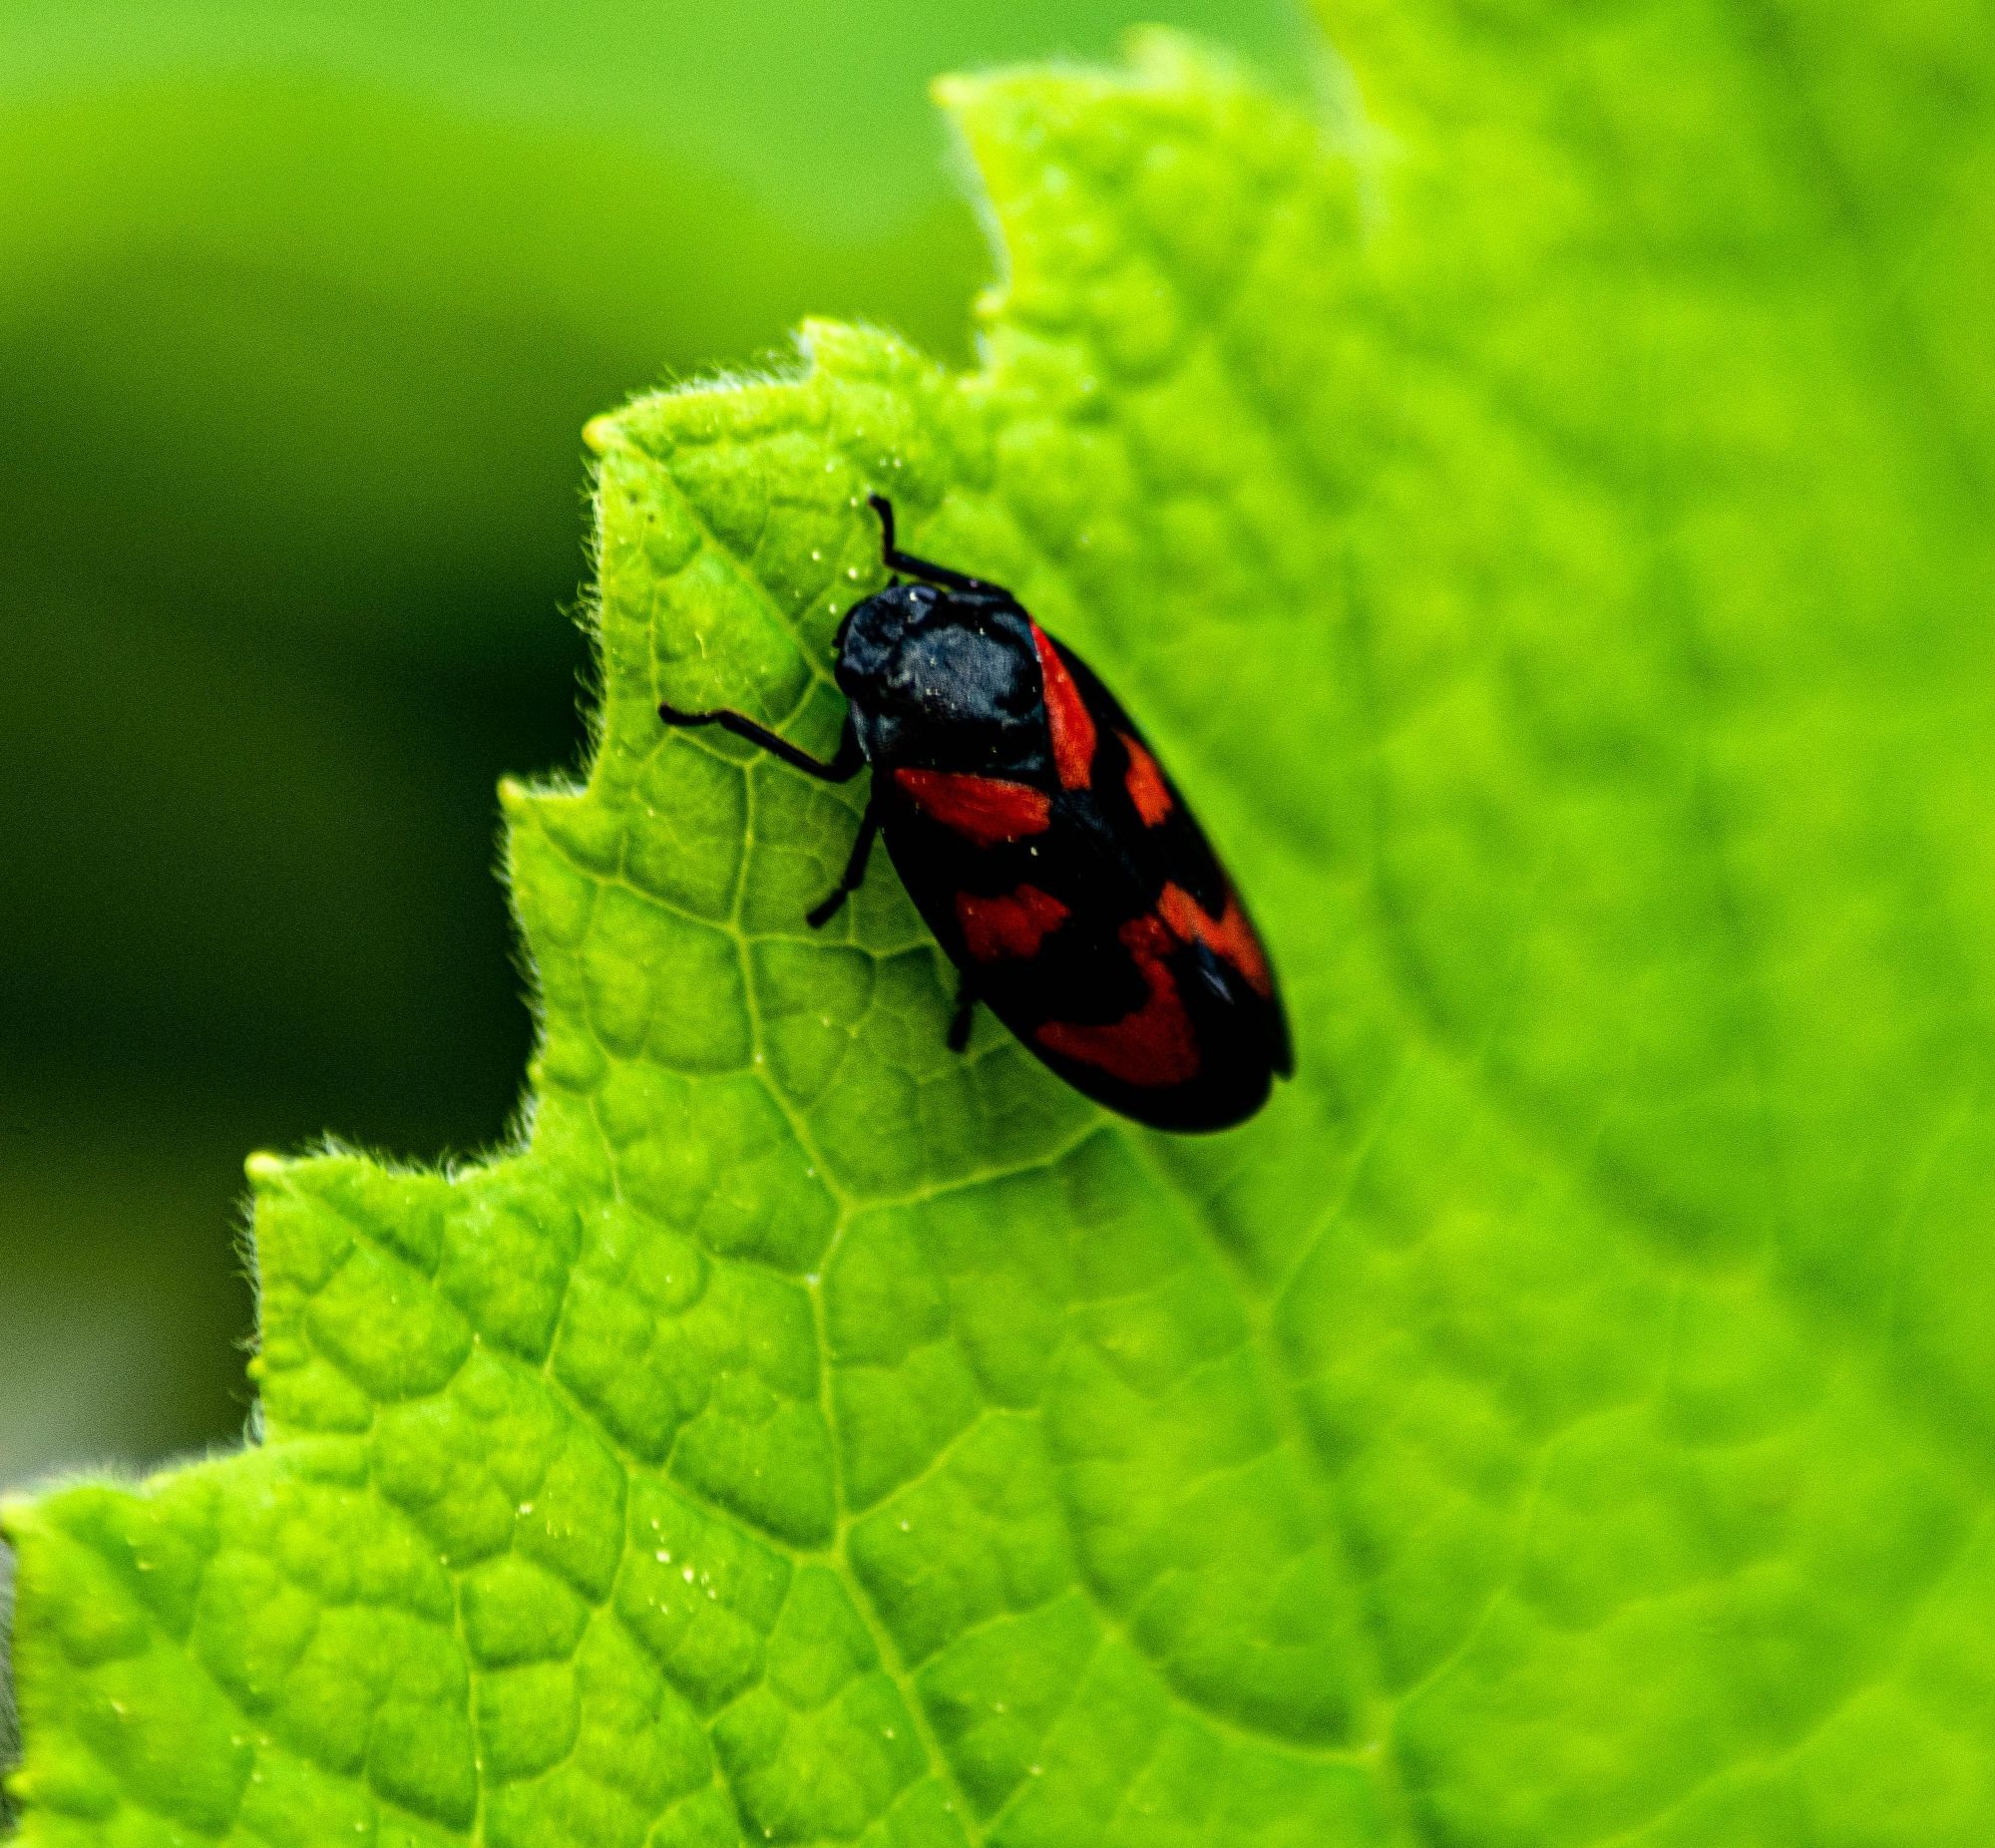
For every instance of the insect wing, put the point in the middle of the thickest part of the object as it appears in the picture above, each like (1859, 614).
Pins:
(1126, 961)
(1172, 860)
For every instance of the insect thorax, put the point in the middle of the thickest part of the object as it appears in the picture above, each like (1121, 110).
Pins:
(943, 679)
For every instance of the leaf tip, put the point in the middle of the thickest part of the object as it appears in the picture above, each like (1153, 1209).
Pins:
(598, 434)
(953, 91)
(264, 1169)
(14, 1513)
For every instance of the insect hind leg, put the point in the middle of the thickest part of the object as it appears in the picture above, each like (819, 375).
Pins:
(960, 1020)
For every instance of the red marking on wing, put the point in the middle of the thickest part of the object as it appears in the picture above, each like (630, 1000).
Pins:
(1145, 781)
(1067, 717)
(986, 810)
(1151, 1047)
(1015, 923)
(1229, 936)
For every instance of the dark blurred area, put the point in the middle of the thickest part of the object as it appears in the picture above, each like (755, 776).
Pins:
(301, 311)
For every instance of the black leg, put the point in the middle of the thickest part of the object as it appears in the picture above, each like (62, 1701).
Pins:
(846, 763)
(897, 561)
(855, 870)
(958, 1022)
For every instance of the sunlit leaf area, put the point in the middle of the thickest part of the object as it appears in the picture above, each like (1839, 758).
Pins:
(1528, 471)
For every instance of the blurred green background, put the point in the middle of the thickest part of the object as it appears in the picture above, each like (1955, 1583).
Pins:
(301, 311)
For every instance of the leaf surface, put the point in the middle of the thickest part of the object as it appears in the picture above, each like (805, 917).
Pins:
(1562, 1416)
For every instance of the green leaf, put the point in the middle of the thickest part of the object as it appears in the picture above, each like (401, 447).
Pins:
(1547, 536)
(301, 311)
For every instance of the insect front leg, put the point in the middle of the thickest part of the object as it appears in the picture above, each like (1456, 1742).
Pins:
(897, 561)
(846, 762)
(855, 871)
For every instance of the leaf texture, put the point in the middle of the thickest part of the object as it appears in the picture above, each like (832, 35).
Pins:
(1560, 1418)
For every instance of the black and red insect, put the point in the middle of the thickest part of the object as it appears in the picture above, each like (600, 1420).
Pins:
(1051, 857)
